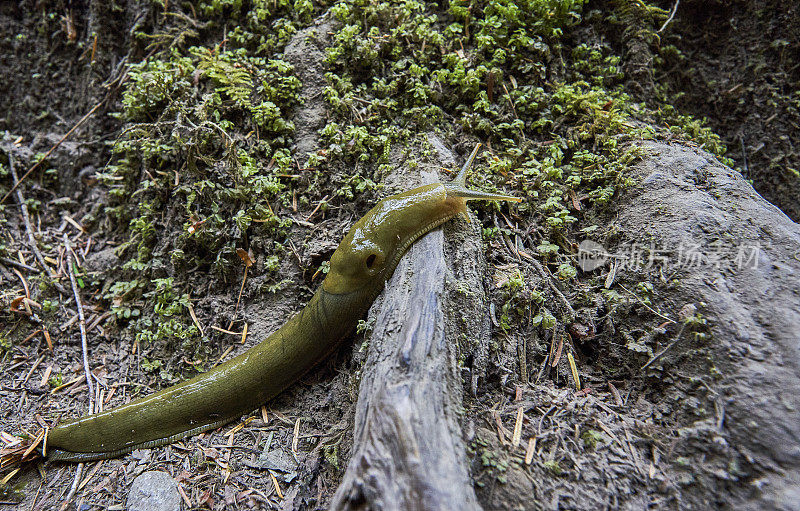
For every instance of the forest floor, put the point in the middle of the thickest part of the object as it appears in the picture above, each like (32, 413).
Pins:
(181, 132)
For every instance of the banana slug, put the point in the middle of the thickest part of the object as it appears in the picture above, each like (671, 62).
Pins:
(359, 268)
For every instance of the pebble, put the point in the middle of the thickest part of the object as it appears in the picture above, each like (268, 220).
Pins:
(154, 491)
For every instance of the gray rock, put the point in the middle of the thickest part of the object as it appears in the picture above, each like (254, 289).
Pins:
(154, 491)
(278, 460)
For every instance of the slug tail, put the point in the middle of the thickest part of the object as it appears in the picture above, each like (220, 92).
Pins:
(80, 457)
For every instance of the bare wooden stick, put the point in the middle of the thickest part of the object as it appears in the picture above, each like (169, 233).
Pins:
(25, 215)
(16, 264)
(71, 263)
(671, 15)
(74, 488)
(29, 227)
(668, 347)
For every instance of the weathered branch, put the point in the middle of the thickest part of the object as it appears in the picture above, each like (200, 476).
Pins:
(408, 451)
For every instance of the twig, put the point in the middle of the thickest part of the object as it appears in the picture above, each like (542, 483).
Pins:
(28, 227)
(71, 262)
(645, 305)
(744, 158)
(74, 488)
(218, 329)
(16, 264)
(544, 367)
(561, 298)
(671, 15)
(25, 215)
(541, 420)
(24, 282)
(239, 299)
(666, 349)
(55, 146)
(32, 369)
(36, 497)
(32, 315)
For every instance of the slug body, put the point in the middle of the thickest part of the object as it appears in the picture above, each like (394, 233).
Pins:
(359, 268)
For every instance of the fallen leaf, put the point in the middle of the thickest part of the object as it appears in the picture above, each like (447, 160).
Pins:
(245, 257)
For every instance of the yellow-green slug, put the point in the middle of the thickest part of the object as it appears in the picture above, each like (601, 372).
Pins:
(361, 264)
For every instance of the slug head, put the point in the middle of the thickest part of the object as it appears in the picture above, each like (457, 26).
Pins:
(371, 250)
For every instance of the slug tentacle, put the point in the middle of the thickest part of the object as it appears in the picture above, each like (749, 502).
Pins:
(461, 177)
(458, 186)
(361, 264)
(454, 190)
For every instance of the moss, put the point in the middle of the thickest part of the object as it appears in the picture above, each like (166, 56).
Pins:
(5, 345)
(516, 301)
(202, 156)
(56, 380)
(591, 438)
(170, 311)
(190, 154)
(484, 64)
(494, 462)
(331, 453)
(554, 467)
(204, 167)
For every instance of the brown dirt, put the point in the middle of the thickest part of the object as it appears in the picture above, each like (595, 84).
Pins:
(741, 72)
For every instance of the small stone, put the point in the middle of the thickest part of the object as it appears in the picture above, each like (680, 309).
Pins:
(687, 311)
(154, 491)
(278, 460)
(102, 260)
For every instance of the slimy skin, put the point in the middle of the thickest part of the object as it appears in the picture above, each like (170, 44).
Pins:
(359, 268)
